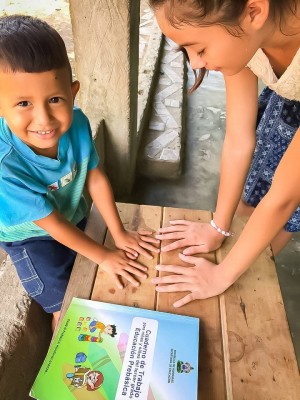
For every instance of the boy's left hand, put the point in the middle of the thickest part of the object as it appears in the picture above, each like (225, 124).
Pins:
(135, 243)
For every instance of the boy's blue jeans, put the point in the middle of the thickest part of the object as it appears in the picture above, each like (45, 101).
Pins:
(44, 267)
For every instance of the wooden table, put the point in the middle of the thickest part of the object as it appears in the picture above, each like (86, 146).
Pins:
(246, 351)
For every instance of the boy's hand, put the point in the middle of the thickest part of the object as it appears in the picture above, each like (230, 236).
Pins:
(135, 243)
(198, 237)
(116, 264)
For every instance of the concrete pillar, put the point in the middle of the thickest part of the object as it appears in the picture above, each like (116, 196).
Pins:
(106, 40)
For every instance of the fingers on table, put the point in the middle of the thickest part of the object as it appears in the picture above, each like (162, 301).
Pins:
(148, 246)
(170, 233)
(137, 266)
(185, 300)
(147, 236)
(131, 255)
(189, 251)
(179, 225)
(176, 274)
(175, 287)
(175, 245)
(137, 249)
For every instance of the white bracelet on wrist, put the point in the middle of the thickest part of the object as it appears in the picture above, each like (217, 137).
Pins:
(217, 228)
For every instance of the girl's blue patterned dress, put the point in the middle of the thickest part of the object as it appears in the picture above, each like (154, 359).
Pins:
(277, 122)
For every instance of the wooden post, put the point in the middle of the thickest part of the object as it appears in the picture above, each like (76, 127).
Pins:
(106, 40)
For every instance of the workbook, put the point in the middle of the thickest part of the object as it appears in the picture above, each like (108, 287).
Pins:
(110, 352)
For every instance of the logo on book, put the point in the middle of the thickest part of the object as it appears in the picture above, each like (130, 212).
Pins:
(184, 367)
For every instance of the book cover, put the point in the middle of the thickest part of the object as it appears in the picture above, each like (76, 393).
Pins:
(110, 352)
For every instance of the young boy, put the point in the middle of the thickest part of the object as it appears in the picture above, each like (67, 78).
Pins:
(46, 157)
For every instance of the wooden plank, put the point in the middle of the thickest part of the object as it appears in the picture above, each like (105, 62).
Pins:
(84, 270)
(211, 371)
(133, 217)
(261, 355)
(225, 346)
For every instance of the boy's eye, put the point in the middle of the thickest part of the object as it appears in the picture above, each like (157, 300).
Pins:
(55, 100)
(201, 53)
(24, 103)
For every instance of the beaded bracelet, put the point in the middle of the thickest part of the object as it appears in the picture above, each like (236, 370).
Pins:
(216, 227)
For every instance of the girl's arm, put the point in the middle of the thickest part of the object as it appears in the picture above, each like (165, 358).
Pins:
(205, 279)
(101, 192)
(271, 214)
(239, 143)
(238, 147)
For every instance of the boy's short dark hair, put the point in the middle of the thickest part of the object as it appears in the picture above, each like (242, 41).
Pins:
(29, 44)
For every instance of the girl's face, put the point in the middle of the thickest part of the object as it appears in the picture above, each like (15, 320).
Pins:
(211, 47)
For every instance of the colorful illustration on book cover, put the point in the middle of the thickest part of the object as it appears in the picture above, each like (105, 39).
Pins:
(96, 326)
(84, 377)
(92, 366)
(113, 355)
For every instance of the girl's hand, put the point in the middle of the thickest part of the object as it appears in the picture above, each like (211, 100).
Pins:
(117, 265)
(135, 243)
(204, 279)
(198, 237)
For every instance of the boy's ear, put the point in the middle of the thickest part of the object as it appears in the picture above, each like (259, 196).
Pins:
(257, 12)
(75, 88)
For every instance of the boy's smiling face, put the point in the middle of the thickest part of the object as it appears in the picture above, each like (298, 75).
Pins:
(38, 106)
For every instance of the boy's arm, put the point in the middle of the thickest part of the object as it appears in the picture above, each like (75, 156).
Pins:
(72, 237)
(101, 192)
(113, 262)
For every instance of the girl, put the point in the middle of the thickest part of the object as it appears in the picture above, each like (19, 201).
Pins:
(260, 167)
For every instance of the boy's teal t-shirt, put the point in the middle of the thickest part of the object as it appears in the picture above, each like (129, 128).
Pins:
(32, 186)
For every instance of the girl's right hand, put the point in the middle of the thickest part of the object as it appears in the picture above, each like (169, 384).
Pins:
(197, 237)
(117, 265)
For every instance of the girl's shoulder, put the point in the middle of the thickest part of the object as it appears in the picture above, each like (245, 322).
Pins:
(288, 85)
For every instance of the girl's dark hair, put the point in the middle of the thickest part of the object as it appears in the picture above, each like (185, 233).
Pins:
(28, 44)
(221, 12)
